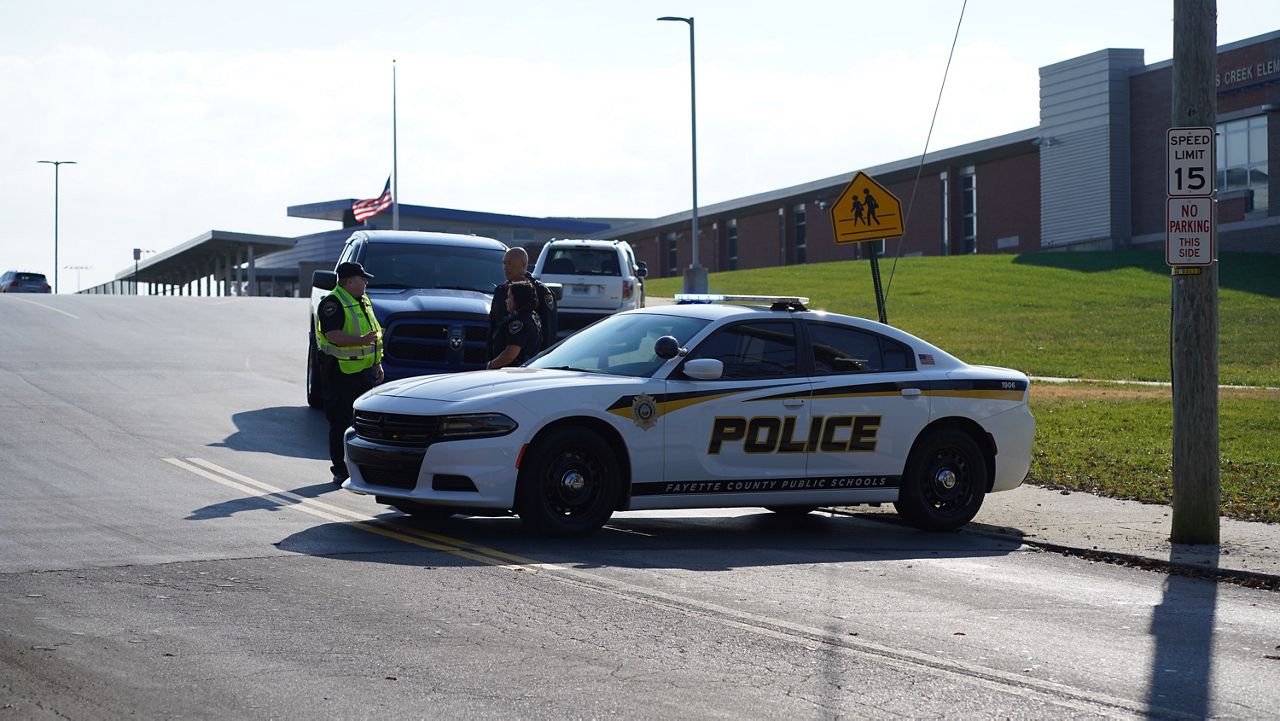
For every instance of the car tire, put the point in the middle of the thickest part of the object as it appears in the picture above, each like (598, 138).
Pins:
(944, 483)
(792, 510)
(568, 484)
(315, 395)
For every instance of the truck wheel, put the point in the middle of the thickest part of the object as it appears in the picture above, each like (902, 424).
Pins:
(315, 395)
(944, 482)
(569, 483)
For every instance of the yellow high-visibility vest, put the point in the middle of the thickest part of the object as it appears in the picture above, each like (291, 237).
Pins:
(357, 320)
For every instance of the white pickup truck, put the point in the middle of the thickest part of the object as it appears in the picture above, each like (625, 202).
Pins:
(600, 278)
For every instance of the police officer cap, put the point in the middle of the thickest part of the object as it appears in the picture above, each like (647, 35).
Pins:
(346, 270)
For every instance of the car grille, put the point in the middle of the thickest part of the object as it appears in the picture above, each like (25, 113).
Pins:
(396, 429)
(438, 346)
(405, 477)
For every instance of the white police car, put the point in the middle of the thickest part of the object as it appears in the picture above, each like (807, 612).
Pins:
(697, 406)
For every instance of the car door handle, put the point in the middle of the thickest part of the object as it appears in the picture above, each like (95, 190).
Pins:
(793, 402)
(910, 392)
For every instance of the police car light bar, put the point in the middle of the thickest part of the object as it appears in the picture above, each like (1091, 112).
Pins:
(781, 301)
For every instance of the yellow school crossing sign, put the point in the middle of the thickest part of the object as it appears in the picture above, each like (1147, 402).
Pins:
(866, 211)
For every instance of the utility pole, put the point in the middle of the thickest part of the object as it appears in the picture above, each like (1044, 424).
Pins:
(1195, 299)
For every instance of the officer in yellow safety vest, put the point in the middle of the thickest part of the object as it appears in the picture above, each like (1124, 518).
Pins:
(350, 343)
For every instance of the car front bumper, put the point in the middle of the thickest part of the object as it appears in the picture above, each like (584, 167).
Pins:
(470, 473)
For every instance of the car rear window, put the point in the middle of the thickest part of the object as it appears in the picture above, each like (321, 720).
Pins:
(582, 261)
(29, 277)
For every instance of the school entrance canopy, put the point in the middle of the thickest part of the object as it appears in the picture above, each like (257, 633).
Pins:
(215, 263)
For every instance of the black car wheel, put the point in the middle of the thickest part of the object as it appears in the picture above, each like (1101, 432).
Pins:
(569, 483)
(315, 398)
(944, 483)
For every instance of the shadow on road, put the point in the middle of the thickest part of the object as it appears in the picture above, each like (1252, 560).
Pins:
(295, 431)
(651, 541)
(1181, 675)
(264, 502)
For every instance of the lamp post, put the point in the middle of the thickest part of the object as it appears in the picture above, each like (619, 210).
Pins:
(56, 164)
(695, 277)
(77, 269)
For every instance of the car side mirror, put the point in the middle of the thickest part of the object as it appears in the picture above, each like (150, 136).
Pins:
(667, 347)
(324, 279)
(704, 369)
(642, 271)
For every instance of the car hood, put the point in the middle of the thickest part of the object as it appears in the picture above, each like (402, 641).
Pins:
(434, 301)
(476, 385)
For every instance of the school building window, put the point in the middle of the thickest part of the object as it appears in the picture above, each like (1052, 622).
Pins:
(731, 242)
(673, 264)
(1242, 158)
(968, 211)
(799, 227)
(945, 194)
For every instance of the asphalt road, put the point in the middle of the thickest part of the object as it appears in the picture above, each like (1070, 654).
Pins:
(170, 546)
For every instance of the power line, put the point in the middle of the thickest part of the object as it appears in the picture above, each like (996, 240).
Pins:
(911, 202)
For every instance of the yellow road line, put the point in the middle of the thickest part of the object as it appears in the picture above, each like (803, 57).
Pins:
(362, 521)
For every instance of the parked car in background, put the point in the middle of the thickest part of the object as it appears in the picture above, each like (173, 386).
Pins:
(16, 281)
(599, 278)
(431, 293)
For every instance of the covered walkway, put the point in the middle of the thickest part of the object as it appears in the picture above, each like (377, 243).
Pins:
(216, 263)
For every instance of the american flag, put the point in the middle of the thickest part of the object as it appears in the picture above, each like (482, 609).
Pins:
(365, 209)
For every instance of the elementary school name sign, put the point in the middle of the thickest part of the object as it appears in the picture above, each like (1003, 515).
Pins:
(1189, 226)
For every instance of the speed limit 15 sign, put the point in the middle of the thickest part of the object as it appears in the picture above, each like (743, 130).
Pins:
(1191, 162)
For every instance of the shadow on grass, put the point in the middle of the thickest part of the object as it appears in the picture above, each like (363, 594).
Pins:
(1257, 273)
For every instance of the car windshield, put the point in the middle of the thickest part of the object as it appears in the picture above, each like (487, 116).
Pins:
(405, 265)
(620, 344)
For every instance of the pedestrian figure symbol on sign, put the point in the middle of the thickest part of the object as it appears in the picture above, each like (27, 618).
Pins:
(857, 210)
(871, 204)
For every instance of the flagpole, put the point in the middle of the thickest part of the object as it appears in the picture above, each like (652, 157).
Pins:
(395, 175)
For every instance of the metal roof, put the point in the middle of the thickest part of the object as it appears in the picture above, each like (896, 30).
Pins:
(194, 258)
(835, 182)
(336, 209)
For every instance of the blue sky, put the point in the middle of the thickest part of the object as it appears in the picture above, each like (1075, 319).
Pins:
(185, 117)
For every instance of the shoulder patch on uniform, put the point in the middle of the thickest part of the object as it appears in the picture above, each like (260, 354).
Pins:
(328, 308)
(549, 300)
(516, 326)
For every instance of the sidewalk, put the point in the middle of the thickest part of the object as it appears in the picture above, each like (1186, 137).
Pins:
(1124, 531)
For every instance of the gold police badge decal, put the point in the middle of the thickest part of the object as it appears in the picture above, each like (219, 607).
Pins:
(644, 410)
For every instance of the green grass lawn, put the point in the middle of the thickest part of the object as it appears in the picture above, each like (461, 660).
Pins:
(1117, 441)
(1080, 315)
(1074, 315)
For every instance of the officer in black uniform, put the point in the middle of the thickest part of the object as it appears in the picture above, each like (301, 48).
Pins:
(519, 336)
(515, 265)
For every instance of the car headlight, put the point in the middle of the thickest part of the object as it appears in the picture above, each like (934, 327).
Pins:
(478, 425)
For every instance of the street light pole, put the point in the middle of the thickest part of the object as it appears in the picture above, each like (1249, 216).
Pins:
(77, 269)
(695, 278)
(56, 164)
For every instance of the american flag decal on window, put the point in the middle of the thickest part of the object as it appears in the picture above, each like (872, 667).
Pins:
(926, 359)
